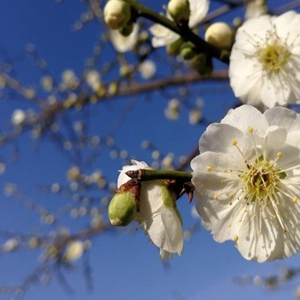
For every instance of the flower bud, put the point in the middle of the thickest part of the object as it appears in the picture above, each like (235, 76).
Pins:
(179, 10)
(219, 34)
(187, 51)
(122, 209)
(174, 48)
(123, 206)
(117, 14)
(201, 64)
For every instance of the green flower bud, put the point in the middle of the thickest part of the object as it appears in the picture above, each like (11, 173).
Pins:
(117, 13)
(122, 209)
(201, 63)
(174, 48)
(179, 10)
(124, 205)
(187, 51)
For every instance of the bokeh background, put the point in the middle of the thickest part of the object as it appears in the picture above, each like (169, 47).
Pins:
(39, 200)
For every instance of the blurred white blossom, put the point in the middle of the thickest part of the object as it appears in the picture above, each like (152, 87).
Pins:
(147, 69)
(93, 79)
(74, 250)
(69, 79)
(124, 43)
(173, 109)
(18, 117)
(11, 245)
(47, 83)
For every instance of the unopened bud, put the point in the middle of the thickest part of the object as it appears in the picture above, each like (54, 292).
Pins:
(117, 14)
(187, 51)
(201, 64)
(124, 205)
(174, 48)
(179, 10)
(219, 34)
(122, 209)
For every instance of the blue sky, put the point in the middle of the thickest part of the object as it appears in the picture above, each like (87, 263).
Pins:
(123, 264)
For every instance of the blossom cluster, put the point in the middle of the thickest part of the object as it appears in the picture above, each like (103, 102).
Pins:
(246, 179)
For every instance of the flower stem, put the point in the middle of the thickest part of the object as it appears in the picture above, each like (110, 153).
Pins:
(183, 31)
(147, 175)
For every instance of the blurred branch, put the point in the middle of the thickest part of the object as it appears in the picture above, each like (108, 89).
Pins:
(50, 111)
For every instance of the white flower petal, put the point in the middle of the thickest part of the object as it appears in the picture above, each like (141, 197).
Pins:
(284, 117)
(246, 116)
(166, 231)
(136, 165)
(219, 217)
(162, 36)
(257, 240)
(124, 43)
(227, 134)
(199, 9)
(275, 137)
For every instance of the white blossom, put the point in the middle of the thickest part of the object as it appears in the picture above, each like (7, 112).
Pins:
(173, 109)
(93, 79)
(11, 245)
(247, 181)
(18, 117)
(158, 213)
(69, 79)
(147, 69)
(265, 61)
(74, 250)
(124, 43)
(162, 36)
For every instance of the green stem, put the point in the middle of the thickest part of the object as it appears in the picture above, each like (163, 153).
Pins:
(148, 174)
(183, 31)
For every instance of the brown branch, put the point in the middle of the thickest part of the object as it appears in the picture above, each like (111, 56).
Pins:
(50, 110)
(171, 81)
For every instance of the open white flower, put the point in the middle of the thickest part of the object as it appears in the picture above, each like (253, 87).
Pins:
(247, 181)
(265, 61)
(124, 43)
(162, 36)
(158, 213)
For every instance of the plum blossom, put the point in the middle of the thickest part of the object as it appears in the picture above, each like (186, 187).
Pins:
(158, 213)
(124, 43)
(265, 61)
(247, 181)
